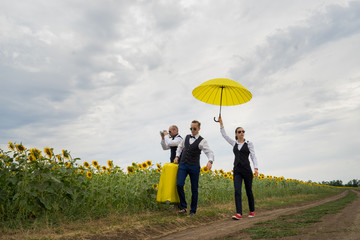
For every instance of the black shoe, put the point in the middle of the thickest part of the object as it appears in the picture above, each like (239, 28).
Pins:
(182, 211)
(191, 214)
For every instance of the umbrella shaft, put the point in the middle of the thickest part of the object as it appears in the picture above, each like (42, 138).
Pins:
(222, 88)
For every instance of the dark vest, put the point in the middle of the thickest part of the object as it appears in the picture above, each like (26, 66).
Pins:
(173, 150)
(191, 152)
(241, 160)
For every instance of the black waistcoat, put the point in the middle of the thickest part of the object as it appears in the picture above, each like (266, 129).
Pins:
(241, 160)
(173, 150)
(191, 152)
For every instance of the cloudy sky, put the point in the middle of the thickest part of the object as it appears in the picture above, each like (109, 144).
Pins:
(102, 78)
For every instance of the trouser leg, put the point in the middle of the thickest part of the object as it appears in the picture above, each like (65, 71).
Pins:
(237, 186)
(181, 176)
(248, 179)
(194, 172)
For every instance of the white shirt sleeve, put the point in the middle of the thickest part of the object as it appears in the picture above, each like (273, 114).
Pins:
(163, 145)
(204, 146)
(252, 154)
(227, 138)
(180, 147)
(168, 142)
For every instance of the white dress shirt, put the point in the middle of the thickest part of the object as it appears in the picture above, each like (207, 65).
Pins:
(203, 145)
(233, 142)
(168, 141)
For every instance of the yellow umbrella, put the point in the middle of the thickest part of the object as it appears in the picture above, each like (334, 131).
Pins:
(223, 92)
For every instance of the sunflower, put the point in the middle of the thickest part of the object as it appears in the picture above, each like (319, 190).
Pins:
(281, 178)
(104, 168)
(36, 153)
(95, 164)
(149, 163)
(216, 171)
(144, 165)
(110, 164)
(225, 175)
(130, 169)
(158, 166)
(11, 146)
(158, 170)
(205, 169)
(20, 148)
(67, 164)
(59, 158)
(86, 164)
(221, 171)
(32, 158)
(154, 186)
(231, 178)
(139, 165)
(66, 154)
(89, 174)
(48, 152)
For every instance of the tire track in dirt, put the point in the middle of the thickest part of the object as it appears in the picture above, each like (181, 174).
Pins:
(342, 225)
(228, 227)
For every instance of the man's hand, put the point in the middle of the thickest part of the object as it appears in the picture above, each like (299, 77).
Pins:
(176, 160)
(209, 165)
(166, 133)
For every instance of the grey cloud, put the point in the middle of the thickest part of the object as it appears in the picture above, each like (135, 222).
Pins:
(168, 14)
(287, 46)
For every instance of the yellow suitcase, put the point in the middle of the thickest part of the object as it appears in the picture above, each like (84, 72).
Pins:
(167, 191)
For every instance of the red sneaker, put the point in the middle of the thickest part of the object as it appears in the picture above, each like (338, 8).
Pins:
(251, 214)
(237, 217)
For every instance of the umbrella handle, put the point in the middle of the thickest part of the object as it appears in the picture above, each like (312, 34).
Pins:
(215, 118)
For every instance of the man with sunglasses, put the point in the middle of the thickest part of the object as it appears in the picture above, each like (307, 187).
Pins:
(190, 149)
(170, 140)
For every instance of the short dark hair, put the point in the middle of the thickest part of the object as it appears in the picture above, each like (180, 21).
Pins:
(196, 121)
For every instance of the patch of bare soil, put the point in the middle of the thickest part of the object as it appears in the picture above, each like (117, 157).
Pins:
(343, 225)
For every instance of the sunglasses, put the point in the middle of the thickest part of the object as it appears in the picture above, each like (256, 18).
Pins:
(193, 129)
(169, 131)
(241, 131)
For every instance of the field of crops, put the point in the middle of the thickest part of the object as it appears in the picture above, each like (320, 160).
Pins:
(43, 185)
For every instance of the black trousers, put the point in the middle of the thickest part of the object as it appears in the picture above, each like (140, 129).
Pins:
(247, 176)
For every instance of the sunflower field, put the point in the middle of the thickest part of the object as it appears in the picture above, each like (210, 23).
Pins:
(38, 184)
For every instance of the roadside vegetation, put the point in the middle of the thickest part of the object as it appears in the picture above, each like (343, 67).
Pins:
(47, 190)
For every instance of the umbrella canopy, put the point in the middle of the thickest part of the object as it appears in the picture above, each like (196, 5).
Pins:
(223, 92)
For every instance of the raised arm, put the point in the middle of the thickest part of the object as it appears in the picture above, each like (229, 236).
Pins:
(223, 133)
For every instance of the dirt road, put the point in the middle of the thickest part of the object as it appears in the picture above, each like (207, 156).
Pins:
(345, 224)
